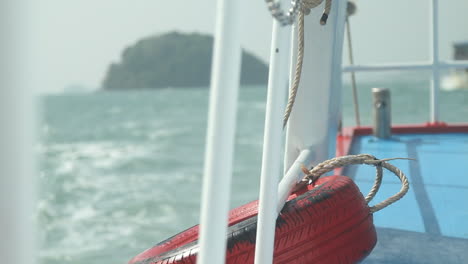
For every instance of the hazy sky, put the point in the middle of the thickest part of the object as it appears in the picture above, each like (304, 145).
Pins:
(74, 41)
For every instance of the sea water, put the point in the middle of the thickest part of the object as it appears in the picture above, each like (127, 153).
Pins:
(120, 171)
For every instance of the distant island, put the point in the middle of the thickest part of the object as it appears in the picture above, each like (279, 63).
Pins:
(174, 60)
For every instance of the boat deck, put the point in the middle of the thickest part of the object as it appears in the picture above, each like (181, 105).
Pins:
(430, 224)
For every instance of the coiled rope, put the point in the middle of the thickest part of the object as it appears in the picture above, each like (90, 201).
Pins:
(316, 172)
(306, 6)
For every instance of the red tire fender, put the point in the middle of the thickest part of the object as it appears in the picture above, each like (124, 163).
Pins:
(328, 222)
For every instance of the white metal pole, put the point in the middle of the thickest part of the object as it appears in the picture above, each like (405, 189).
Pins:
(16, 138)
(272, 143)
(435, 84)
(293, 176)
(220, 135)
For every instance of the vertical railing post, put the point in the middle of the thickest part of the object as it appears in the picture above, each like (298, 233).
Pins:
(435, 82)
(16, 136)
(225, 77)
(272, 142)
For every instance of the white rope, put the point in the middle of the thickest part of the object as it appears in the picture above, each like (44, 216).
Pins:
(298, 71)
(329, 165)
(306, 6)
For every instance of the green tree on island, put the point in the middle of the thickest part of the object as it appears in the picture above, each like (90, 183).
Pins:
(174, 60)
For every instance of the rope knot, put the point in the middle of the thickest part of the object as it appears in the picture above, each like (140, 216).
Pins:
(372, 161)
(307, 5)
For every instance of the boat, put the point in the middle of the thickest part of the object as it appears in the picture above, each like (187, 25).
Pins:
(426, 226)
(457, 79)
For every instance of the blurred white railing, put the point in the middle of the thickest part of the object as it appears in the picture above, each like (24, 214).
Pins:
(17, 181)
(220, 133)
